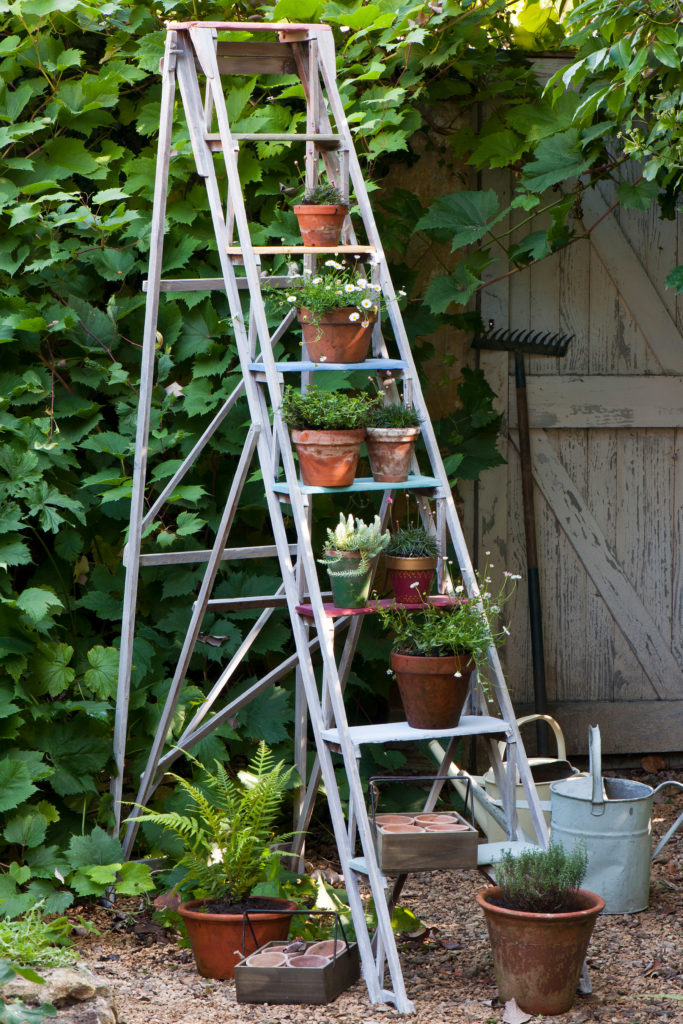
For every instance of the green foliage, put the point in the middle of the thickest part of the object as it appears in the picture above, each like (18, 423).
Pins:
(353, 535)
(542, 881)
(17, 1012)
(412, 541)
(315, 409)
(470, 435)
(34, 941)
(336, 287)
(323, 194)
(393, 416)
(227, 834)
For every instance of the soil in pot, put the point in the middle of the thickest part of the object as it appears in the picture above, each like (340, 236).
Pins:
(328, 458)
(538, 957)
(336, 338)
(432, 694)
(404, 572)
(320, 224)
(218, 938)
(390, 450)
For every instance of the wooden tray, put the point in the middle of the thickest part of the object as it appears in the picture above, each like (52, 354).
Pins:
(297, 984)
(398, 853)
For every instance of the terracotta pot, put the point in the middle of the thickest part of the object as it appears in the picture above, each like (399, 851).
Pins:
(320, 225)
(404, 571)
(328, 458)
(390, 450)
(538, 957)
(349, 591)
(336, 338)
(216, 937)
(432, 695)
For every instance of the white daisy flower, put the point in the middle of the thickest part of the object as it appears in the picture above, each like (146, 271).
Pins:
(365, 323)
(401, 292)
(349, 288)
(515, 576)
(366, 304)
(317, 280)
(333, 263)
(459, 589)
(415, 584)
(377, 287)
(291, 298)
(354, 316)
(506, 631)
(458, 675)
(323, 359)
(362, 282)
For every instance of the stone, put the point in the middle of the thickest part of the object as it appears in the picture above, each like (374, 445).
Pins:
(79, 995)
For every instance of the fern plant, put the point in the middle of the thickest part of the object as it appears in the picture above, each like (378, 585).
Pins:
(228, 831)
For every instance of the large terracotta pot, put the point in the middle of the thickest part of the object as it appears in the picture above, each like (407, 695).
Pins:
(320, 225)
(432, 695)
(538, 957)
(350, 588)
(404, 571)
(218, 939)
(328, 458)
(336, 338)
(390, 450)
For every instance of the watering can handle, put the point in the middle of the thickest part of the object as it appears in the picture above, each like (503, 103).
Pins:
(595, 764)
(554, 725)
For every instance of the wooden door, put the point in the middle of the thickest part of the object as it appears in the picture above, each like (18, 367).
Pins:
(606, 438)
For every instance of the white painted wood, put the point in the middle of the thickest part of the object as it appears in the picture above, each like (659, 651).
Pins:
(401, 732)
(602, 402)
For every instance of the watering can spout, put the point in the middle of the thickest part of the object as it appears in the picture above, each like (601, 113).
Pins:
(598, 795)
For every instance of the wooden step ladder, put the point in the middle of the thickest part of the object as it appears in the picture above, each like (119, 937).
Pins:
(196, 56)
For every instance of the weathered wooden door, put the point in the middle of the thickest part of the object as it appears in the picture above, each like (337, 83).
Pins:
(607, 450)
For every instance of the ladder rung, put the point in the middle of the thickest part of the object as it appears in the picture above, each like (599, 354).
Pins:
(326, 142)
(401, 732)
(301, 366)
(302, 250)
(188, 557)
(366, 483)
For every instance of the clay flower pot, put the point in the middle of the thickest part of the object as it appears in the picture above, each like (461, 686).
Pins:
(404, 572)
(320, 224)
(350, 587)
(390, 450)
(216, 939)
(336, 338)
(431, 693)
(328, 458)
(538, 957)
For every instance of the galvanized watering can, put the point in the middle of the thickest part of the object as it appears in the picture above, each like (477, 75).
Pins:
(613, 817)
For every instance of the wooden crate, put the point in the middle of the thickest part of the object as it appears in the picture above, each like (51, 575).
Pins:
(297, 984)
(398, 853)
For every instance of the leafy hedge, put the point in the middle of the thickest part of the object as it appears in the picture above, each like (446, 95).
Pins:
(79, 106)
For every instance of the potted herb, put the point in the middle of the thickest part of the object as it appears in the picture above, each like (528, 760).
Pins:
(327, 428)
(540, 923)
(435, 650)
(410, 559)
(321, 214)
(349, 554)
(228, 837)
(336, 311)
(390, 437)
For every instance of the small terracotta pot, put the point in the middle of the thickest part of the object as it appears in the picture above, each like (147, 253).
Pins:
(326, 947)
(404, 571)
(432, 695)
(269, 958)
(538, 957)
(435, 819)
(309, 960)
(408, 829)
(320, 224)
(328, 458)
(215, 938)
(394, 819)
(390, 450)
(337, 338)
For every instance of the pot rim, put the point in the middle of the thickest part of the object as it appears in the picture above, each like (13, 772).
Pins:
(318, 208)
(318, 436)
(303, 311)
(596, 907)
(393, 562)
(393, 433)
(280, 906)
(440, 659)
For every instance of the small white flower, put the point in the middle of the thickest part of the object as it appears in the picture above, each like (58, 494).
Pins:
(445, 558)
(317, 280)
(362, 283)
(306, 271)
(354, 316)
(459, 589)
(458, 675)
(487, 579)
(506, 631)
(415, 584)
(344, 28)
(328, 287)
(487, 594)
(389, 672)
(291, 298)
(339, 292)
(366, 304)
(401, 292)
(515, 576)
(365, 323)
(333, 263)
(488, 552)
(495, 608)
(377, 287)
(323, 359)
(349, 288)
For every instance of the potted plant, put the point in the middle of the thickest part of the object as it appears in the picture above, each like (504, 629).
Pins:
(540, 923)
(390, 437)
(228, 838)
(435, 650)
(336, 311)
(321, 214)
(349, 554)
(327, 429)
(410, 558)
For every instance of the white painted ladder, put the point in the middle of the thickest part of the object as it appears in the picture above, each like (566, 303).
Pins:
(204, 50)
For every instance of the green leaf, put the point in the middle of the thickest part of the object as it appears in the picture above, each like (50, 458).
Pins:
(134, 879)
(466, 215)
(51, 667)
(499, 149)
(15, 784)
(36, 602)
(637, 197)
(26, 829)
(556, 159)
(674, 279)
(103, 676)
(13, 551)
(666, 55)
(96, 848)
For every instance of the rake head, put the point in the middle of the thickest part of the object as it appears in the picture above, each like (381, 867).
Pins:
(536, 343)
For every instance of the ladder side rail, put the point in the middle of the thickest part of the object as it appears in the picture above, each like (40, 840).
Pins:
(207, 62)
(327, 68)
(143, 424)
(189, 643)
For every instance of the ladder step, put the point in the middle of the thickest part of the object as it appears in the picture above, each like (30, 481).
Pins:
(366, 483)
(212, 284)
(302, 250)
(401, 732)
(332, 611)
(360, 866)
(306, 366)
(326, 142)
(218, 604)
(491, 853)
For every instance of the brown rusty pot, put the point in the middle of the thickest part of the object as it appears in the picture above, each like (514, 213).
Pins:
(320, 225)
(432, 695)
(390, 450)
(328, 458)
(218, 939)
(538, 957)
(404, 571)
(337, 338)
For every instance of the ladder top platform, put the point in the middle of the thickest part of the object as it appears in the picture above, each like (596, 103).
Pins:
(332, 611)
(401, 732)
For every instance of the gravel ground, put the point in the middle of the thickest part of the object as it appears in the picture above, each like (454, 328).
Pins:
(635, 961)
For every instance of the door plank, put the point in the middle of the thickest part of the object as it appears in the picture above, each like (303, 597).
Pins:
(581, 528)
(626, 727)
(602, 401)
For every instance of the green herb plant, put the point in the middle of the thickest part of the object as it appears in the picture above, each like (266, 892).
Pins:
(542, 881)
(353, 535)
(323, 194)
(228, 829)
(34, 940)
(315, 409)
(393, 416)
(412, 541)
